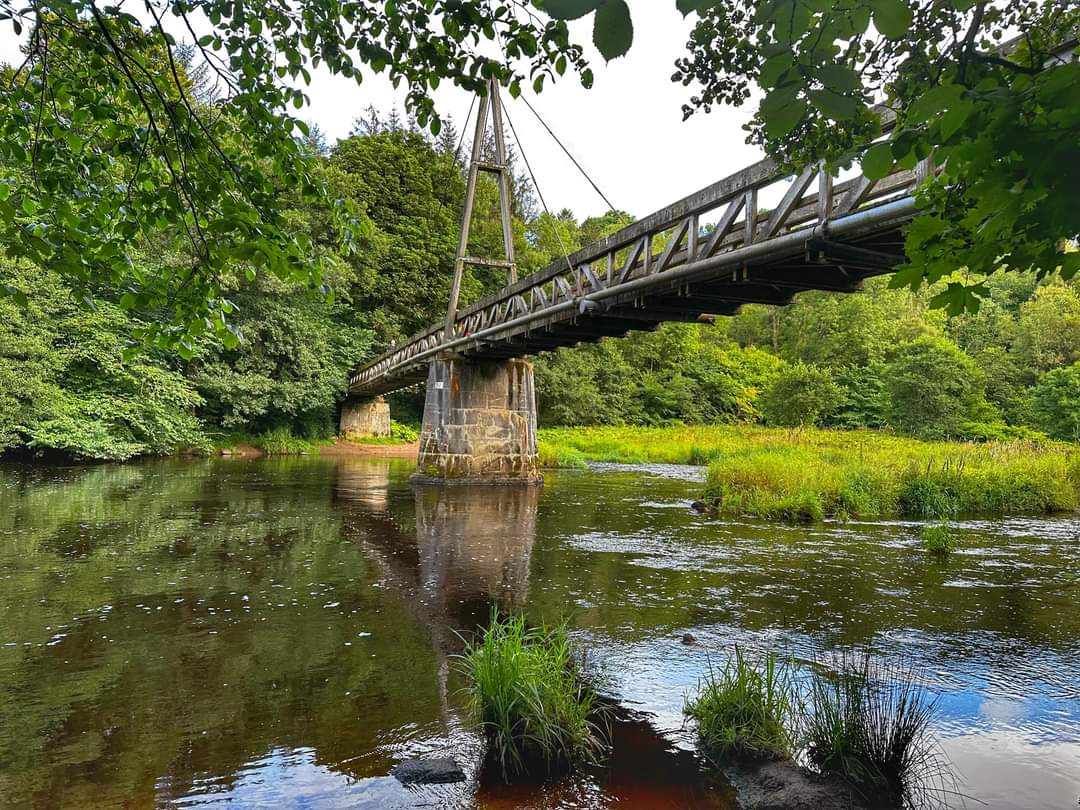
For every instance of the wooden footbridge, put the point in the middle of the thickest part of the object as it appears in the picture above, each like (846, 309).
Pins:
(703, 256)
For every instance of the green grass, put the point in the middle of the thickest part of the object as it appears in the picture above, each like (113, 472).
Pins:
(277, 442)
(562, 457)
(938, 539)
(809, 474)
(745, 709)
(539, 710)
(871, 727)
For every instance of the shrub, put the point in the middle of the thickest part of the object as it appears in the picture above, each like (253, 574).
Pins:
(801, 395)
(933, 388)
(871, 727)
(1057, 402)
(938, 539)
(746, 708)
(404, 433)
(997, 432)
(526, 686)
(281, 442)
(560, 456)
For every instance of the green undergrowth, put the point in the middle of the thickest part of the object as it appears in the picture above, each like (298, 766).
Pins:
(552, 456)
(808, 474)
(848, 718)
(528, 689)
(938, 539)
(277, 442)
(399, 434)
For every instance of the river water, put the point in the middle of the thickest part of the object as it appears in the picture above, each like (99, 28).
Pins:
(279, 633)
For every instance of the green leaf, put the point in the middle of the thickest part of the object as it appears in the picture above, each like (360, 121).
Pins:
(613, 30)
(781, 110)
(954, 118)
(877, 161)
(688, 6)
(569, 9)
(892, 17)
(834, 105)
(838, 77)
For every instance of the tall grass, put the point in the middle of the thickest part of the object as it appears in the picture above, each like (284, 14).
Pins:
(848, 718)
(871, 727)
(746, 708)
(539, 711)
(938, 539)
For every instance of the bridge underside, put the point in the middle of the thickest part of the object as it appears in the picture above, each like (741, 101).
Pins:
(819, 264)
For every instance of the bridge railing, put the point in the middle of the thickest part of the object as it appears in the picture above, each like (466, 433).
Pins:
(668, 245)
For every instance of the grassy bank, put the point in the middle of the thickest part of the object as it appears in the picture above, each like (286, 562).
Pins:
(809, 474)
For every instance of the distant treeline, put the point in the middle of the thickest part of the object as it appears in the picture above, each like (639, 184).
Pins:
(880, 358)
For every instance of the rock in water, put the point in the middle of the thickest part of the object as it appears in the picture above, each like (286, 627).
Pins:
(438, 771)
(688, 638)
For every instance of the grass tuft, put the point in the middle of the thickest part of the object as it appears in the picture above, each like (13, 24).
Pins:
(871, 727)
(527, 688)
(938, 539)
(745, 709)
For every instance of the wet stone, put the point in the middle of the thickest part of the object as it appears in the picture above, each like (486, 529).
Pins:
(437, 771)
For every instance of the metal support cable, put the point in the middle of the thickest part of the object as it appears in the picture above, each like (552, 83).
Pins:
(464, 128)
(584, 173)
(539, 193)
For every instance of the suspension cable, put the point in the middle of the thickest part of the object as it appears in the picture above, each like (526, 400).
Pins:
(464, 129)
(539, 193)
(584, 173)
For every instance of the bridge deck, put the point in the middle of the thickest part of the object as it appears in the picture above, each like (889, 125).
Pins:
(822, 235)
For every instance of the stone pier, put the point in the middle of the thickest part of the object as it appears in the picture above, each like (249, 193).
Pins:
(479, 423)
(362, 417)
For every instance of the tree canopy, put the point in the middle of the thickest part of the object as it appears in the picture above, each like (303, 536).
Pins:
(114, 134)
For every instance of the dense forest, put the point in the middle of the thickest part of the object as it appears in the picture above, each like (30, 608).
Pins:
(71, 385)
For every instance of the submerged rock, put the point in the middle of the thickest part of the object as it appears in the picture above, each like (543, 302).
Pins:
(688, 638)
(781, 785)
(437, 771)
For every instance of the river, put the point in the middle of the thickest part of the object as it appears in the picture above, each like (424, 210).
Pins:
(279, 633)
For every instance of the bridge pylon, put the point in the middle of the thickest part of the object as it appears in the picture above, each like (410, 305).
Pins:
(480, 415)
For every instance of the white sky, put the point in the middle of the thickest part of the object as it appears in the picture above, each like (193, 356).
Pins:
(627, 131)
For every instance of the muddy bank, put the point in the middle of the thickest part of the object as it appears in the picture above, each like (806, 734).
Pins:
(343, 448)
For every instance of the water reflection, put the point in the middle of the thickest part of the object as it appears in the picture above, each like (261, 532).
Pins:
(280, 633)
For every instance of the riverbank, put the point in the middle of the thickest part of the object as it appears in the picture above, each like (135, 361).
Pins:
(810, 474)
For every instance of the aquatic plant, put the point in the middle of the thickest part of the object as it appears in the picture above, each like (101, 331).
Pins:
(807, 474)
(527, 688)
(870, 725)
(938, 539)
(745, 708)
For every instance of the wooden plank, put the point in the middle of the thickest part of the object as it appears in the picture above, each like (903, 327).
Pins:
(787, 204)
(722, 227)
(749, 216)
(824, 196)
(672, 246)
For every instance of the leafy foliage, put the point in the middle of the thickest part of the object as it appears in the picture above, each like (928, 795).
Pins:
(1058, 402)
(1000, 123)
(801, 395)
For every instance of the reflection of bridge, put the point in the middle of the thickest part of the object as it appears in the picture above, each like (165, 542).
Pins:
(820, 235)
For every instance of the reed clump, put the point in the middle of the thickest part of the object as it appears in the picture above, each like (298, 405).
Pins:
(870, 726)
(848, 718)
(745, 708)
(527, 688)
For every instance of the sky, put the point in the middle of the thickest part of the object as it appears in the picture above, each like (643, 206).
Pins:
(626, 131)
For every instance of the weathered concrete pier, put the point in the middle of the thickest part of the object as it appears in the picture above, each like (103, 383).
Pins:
(364, 417)
(479, 423)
